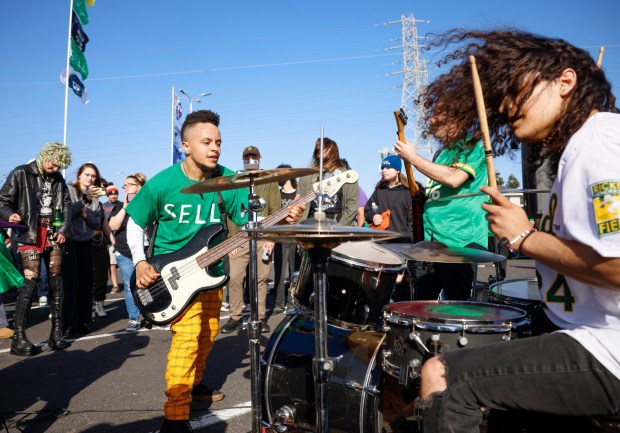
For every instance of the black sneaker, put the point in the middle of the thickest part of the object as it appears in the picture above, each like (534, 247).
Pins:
(175, 426)
(204, 393)
(230, 326)
(265, 328)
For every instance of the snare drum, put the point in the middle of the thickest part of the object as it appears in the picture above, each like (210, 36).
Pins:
(417, 330)
(360, 280)
(524, 294)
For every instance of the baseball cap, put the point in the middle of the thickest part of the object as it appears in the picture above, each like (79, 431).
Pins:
(251, 150)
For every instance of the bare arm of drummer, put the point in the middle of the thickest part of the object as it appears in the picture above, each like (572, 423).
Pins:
(452, 177)
(571, 258)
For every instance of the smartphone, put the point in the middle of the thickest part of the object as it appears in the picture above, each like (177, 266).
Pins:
(130, 196)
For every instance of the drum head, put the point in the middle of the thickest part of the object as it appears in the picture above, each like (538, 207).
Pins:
(368, 254)
(516, 289)
(454, 312)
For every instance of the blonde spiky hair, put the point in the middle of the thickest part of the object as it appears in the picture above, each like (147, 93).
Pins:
(55, 152)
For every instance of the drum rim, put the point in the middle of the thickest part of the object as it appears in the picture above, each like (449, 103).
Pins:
(500, 297)
(341, 324)
(388, 314)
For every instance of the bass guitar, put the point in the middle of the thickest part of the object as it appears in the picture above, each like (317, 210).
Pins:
(185, 273)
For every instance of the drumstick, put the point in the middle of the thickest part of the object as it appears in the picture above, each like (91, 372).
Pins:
(599, 60)
(484, 126)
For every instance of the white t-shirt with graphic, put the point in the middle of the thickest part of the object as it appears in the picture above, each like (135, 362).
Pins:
(584, 206)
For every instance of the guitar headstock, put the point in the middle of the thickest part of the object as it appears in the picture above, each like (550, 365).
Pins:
(334, 183)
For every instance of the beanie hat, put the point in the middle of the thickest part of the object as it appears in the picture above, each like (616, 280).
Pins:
(111, 188)
(392, 161)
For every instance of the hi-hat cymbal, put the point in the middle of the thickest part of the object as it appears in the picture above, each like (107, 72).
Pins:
(326, 233)
(503, 191)
(9, 225)
(428, 251)
(241, 180)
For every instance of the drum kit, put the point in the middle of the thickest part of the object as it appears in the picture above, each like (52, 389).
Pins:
(348, 359)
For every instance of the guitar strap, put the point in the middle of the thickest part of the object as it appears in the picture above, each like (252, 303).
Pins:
(149, 250)
(223, 214)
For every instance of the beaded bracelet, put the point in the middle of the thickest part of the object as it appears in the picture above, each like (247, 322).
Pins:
(521, 238)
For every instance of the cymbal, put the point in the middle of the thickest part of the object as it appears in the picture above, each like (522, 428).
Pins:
(428, 251)
(503, 191)
(243, 179)
(8, 225)
(326, 233)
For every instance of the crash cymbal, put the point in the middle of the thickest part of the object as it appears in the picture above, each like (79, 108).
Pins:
(503, 191)
(241, 180)
(8, 225)
(428, 251)
(326, 233)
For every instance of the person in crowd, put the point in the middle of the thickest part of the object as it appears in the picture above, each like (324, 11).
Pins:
(118, 223)
(102, 238)
(285, 254)
(179, 218)
(554, 98)
(342, 207)
(389, 206)
(458, 168)
(78, 264)
(43, 290)
(35, 195)
(239, 258)
(113, 203)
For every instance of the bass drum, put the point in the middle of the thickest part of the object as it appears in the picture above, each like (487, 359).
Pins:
(360, 280)
(354, 398)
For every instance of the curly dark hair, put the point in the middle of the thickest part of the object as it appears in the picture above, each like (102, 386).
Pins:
(510, 64)
(200, 116)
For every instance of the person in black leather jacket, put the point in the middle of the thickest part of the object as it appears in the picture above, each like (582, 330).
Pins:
(36, 196)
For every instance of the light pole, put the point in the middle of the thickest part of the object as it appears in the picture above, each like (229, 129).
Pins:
(194, 99)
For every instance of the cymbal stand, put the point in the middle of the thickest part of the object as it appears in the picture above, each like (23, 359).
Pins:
(255, 205)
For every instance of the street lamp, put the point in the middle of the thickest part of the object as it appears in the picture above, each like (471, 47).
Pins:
(194, 99)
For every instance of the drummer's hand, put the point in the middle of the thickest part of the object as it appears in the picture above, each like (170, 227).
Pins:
(405, 151)
(377, 219)
(506, 220)
(269, 246)
(295, 212)
(145, 274)
(15, 218)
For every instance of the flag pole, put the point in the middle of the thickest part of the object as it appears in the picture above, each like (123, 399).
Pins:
(64, 137)
(172, 126)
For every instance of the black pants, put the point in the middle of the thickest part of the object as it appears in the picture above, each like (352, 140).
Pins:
(78, 283)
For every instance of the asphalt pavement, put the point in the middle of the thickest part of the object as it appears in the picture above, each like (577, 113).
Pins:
(113, 381)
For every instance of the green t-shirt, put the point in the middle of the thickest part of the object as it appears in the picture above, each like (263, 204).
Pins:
(180, 215)
(461, 221)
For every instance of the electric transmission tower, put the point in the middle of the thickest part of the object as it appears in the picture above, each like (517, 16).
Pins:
(415, 81)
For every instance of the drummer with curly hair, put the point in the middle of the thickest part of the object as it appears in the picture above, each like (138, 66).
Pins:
(551, 95)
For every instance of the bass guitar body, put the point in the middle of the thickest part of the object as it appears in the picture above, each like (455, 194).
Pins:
(182, 276)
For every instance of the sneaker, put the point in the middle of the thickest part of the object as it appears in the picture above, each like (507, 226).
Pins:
(99, 310)
(230, 326)
(176, 426)
(225, 306)
(204, 393)
(265, 328)
(114, 290)
(43, 301)
(278, 310)
(133, 326)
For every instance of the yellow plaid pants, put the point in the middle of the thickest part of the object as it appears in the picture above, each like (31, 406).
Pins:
(193, 334)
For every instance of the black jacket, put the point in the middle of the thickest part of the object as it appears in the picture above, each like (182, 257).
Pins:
(398, 201)
(20, 194)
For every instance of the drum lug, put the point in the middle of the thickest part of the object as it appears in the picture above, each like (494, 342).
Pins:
(386, 354)
(371, 390)
(278, 367)
(386, 328)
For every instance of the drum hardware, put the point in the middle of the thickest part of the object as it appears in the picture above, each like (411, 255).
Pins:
(372, 390)
(283, 419)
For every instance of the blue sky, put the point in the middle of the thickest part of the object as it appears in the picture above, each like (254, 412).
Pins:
(278, 71)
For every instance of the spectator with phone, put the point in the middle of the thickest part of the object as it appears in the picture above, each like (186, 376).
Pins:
(118, 224)
(77, 265)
